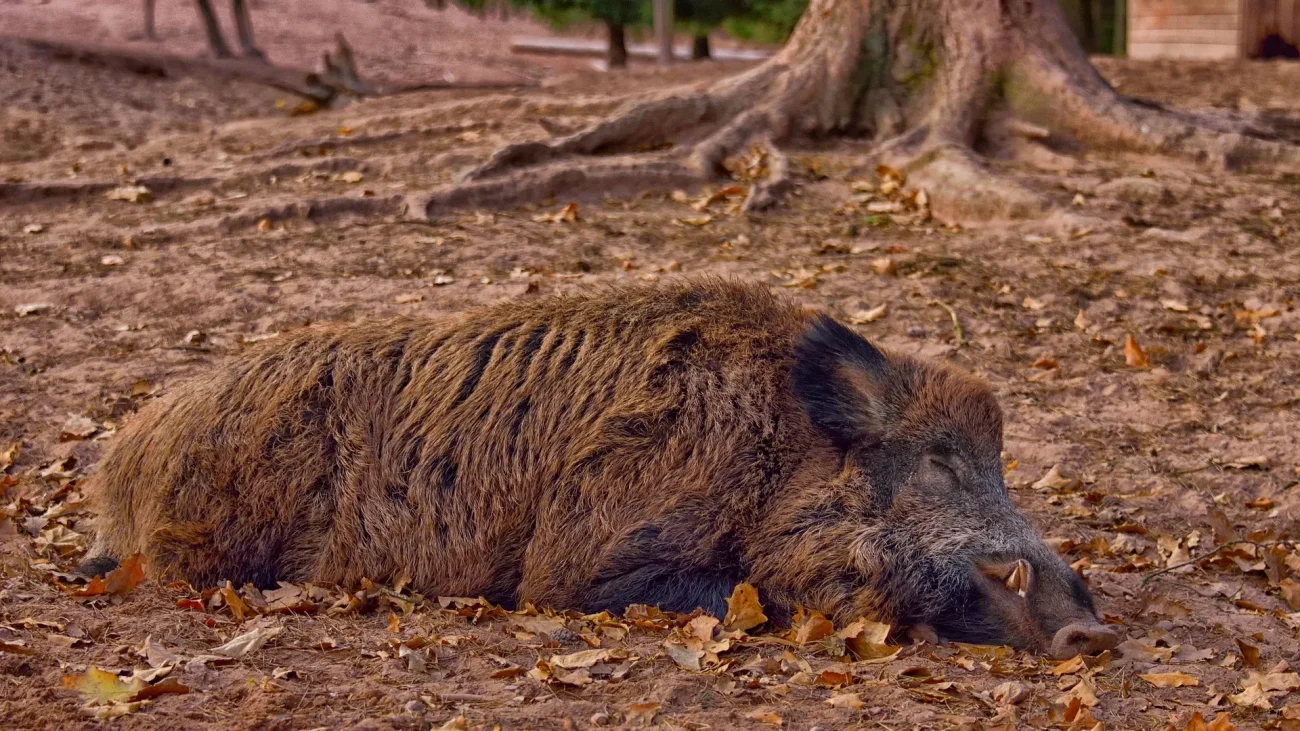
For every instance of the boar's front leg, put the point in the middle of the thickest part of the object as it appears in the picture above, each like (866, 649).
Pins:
(665, 586)
(669, 569)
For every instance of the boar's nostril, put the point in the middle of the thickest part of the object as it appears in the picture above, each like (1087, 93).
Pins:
(1082, 639)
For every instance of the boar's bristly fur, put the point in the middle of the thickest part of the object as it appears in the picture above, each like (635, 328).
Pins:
(650, 445)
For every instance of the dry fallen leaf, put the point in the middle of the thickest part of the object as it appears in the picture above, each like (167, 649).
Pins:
(834, 676)
(1011, 692)
(685, 657)
(767, 717)
(851, 701)
(1291, 593)
(248, 642)
(567, 214)
(33, 308)
(814, 627)
(414, 658)
(14, 649)
(162, 687)
(862, 317)
(235, 603)
(1170, 680)
(156, 655)
(640, 714)
(8, 454)
(1068, 667)
(1084, 692)
(130, 193)
(1134, 356)
(703, 626)
(585, 659)
(126, 576)
(1254, 696)
(1222, 722)
(865, 640)
(120, 580)
(1053, 480)
(884, 266)
(701, 220)
(77, 428)
(1249, 653)
(1282, 682)
(744, 612)
(101, 686)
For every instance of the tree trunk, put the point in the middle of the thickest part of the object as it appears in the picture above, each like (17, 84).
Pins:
(150, 28)
(700, 47)
(216, 41)
(936, 85)
(244, 26)
(617, 45)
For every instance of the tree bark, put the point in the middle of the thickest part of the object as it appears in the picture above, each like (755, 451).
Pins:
(938, 86)
(150, 27)
(244, 26)
(617, 45)
(700, 47)
(216, 41)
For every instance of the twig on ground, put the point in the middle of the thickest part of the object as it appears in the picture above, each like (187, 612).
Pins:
(956, 325)
(1146, 580)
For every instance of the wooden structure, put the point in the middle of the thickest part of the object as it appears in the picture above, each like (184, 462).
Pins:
(1213, 29)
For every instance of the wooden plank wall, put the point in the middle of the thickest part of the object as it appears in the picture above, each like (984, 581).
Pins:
(1208, 29)
(1261, 18)
(1199, 29)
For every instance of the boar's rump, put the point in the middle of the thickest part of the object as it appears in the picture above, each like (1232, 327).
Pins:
(650, 445)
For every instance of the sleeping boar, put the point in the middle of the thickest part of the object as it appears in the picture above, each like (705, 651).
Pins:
(650, 445)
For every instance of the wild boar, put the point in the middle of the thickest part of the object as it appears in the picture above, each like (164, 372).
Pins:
(652, 445)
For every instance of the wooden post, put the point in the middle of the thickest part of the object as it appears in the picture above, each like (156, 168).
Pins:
(1121, 28)
(663, 11)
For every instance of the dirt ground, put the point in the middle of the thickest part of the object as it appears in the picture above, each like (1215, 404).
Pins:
(1144, 342)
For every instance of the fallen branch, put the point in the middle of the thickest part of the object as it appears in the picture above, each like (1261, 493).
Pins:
(1146, 580)
(338, 76)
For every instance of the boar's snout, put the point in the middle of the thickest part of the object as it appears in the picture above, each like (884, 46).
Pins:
(1039, 603)
(1082, 639)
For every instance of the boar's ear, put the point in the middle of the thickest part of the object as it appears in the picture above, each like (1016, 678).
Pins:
(838, 378)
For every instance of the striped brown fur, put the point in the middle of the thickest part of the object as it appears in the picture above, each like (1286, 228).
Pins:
(640, 445)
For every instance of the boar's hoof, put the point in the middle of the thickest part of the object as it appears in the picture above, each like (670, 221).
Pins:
(1082, 639)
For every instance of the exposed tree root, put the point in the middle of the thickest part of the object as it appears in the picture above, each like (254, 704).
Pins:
(315, 211)
(939, 86)
(327, 145)
(19, 193)
(338, 76)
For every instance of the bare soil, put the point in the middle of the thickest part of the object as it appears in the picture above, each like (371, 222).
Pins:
(258, 222)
